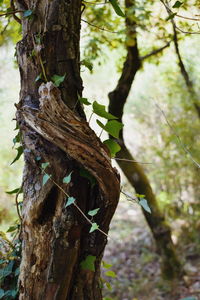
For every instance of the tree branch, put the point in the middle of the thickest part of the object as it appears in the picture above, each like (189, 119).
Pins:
(156, 51)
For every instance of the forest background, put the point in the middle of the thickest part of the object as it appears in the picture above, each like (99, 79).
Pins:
(161, 130)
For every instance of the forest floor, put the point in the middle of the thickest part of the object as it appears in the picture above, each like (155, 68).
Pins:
(132, 253)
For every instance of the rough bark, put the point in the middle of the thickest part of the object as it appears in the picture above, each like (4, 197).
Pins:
(133, 171)
(56, 239)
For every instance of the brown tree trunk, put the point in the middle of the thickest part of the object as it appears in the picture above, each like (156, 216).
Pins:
(56, 239)
(133, 171)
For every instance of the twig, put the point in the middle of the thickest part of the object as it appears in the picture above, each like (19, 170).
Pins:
(12, 5)
(10, 13)
(100, 28)
(178, 137)
(156, 51)
(133, 161)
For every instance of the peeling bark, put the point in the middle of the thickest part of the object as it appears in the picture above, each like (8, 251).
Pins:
(133, 171)
(56, 239)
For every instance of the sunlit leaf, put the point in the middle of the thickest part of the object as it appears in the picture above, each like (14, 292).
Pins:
(113, 127)
(106, 265)
(100, 110)
(113, 147)
(110, 274)
(88, 263)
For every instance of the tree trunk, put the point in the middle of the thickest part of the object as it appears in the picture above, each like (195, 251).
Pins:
(56, 238)
(133, 171)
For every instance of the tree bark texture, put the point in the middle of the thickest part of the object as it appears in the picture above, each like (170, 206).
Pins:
(56, 239)
(133, 171)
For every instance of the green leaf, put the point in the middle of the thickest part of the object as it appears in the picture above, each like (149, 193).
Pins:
(17, 271)
(15, 191)
(27, 13)
(38, 158)
(177, 4)
(93, 212)
(70, 200)
(106, 265)
(7, 270)
(113, 147)
(88, 263)
(1, 293)
(84, 101)
(67, 179)
(12, 228)
(143, 202)
(93, 227)
(39, 77)
(86, 174)
(57, 80)
(117, 9)
(87, 64)
(17, 138)
(100, 110)
(171, 16)
(19, 153)
(111, 274)
(113, 127)
(44, 165)
(45, 178)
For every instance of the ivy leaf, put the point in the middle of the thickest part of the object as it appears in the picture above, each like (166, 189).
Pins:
(38, 158)
(17, 138)
(143, 202)
(12, 228)
(111, 274)
(67, 179)
(44, 165)
(113, 127)
(113, 147)
(100, 110)
(45, 178)
(177, 4)
(19, 153)
(84, 101)
(88, 263)
(86, 174)
(57, 80)
(117, 9)
(1, 293)
(87, 64)
(28, 13)
(17, 271)
(93, 212)
(171, 16)
(15, 191)
(38, 77)
(93, 227)
(70, 201)
(106, 265)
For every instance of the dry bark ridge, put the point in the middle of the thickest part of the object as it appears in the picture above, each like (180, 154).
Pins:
(56, 239)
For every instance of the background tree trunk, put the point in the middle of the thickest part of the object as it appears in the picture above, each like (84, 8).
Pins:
(56, 239)
(171, 266)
